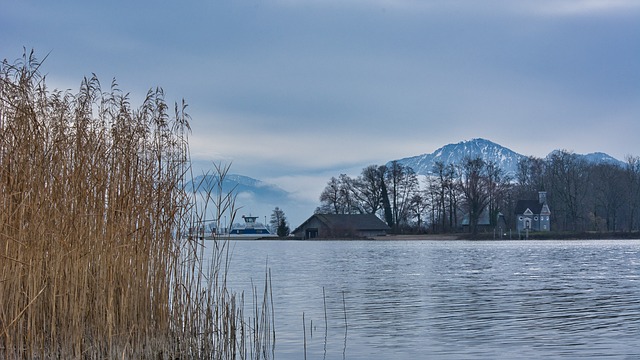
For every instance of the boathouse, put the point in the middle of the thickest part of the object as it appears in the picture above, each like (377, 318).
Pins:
(346, 226)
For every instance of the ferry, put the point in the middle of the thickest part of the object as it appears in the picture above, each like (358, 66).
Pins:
(250, 230)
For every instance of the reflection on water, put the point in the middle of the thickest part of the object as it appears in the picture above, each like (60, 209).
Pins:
(449, 299)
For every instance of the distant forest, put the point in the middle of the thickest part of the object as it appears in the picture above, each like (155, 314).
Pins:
(582, 196)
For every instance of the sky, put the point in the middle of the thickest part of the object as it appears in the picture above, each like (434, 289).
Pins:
(293, 92)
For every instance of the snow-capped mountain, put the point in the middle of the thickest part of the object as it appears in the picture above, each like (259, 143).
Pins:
(456, 153)
(596, 158)
(489, 151)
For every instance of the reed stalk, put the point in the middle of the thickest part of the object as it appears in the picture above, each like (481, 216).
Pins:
(94, 260)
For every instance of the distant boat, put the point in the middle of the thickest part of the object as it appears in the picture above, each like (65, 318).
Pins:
(250, 230)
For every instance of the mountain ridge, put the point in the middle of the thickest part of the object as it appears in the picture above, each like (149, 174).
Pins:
(506, 158)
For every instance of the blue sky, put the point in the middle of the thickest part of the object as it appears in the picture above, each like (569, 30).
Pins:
(294, 92)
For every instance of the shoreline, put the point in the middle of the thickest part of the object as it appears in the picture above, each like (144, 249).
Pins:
(463, 237)
(443, 237)
(536, 236)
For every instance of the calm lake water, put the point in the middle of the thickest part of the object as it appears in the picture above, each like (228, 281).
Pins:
(448, 299)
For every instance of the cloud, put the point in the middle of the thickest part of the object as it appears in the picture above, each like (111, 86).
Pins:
(305, 188)
(584, 7)
(304, 147)
(476, 8)
(386, 4)
(313, 87)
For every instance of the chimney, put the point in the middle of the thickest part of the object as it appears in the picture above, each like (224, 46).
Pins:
(542, 197)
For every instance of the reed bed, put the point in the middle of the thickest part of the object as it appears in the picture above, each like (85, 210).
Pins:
(93, 259)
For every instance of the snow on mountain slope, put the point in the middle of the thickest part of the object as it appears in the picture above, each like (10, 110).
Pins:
(456, 153)
(489, 151)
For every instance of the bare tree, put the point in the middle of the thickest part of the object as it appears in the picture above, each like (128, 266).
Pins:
(330, 198)
(568, 177)
(608, 195)
(338, 197)
(633, 198)
(475, 189)
(530, 177)
(418, 205)
(498, 187)
(439, 188)
(347, 193)
(445, 189)
(403, 184)
(367, 189)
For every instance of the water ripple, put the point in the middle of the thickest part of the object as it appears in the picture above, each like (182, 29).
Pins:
(451, 300)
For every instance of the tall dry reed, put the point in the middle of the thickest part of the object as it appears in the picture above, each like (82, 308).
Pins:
(93, 262)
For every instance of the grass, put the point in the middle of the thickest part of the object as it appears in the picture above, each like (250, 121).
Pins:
(93, 260)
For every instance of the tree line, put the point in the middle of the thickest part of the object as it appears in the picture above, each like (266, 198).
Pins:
(582, 195)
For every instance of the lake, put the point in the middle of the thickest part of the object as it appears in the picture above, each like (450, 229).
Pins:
(447, 299)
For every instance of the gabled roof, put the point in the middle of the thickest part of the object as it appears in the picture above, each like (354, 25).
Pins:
(353, 221)
(533, 205)
(545, 210)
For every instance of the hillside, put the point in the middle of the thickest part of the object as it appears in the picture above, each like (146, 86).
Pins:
(489, 151)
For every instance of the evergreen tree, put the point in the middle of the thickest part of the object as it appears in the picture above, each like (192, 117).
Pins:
(279, 222)
(283, 229)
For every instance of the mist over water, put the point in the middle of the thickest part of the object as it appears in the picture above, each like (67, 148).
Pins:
(447, 299)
